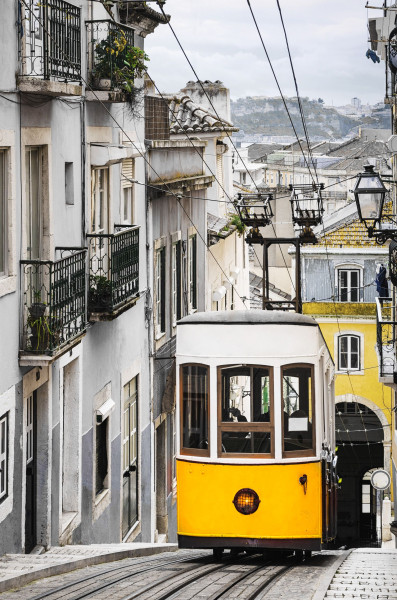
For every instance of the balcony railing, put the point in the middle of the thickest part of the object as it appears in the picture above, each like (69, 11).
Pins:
(50, 40)
(114, 269)
(385, 337)
(54, 301)
(104, 39)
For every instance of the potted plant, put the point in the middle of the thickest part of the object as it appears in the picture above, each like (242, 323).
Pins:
(118, 63)
(40, 332)
(100, 294)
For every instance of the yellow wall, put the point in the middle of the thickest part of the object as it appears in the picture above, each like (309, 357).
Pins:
(360, 318)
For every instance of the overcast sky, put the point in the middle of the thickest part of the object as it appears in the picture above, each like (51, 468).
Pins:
(328, 40)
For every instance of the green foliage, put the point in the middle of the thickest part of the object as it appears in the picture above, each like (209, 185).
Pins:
(239, 225)
(119, 61)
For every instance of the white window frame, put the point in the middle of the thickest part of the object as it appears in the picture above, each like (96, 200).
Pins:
(4, 456)
(158, 285)
(192, 281)
(3, 212)
(99, 203)
(127, 192)
(174, 283)
(337, 345)
(349, 269)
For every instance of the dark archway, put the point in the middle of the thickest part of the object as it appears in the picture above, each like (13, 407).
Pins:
(359, 437)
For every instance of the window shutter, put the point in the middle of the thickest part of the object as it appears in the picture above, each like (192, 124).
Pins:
(127, 172)
(219, 174)
(162, 283)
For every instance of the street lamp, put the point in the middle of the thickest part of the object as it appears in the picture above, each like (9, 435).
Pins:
(369, 193)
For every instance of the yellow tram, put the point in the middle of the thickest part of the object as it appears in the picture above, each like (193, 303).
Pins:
(255, 404)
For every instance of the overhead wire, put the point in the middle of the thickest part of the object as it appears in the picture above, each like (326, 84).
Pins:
(169, 190)
(315, 171)
(229, 137)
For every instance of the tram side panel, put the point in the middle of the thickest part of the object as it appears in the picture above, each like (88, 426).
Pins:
(289, 512)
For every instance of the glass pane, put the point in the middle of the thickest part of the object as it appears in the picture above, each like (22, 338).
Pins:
(2, 213)
(195, 407)
(298, 408)
(2, 477)
(2, 437)
(245, 394)
(243, 442)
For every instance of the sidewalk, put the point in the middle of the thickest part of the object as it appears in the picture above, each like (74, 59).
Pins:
(366, 573)
(19, 569)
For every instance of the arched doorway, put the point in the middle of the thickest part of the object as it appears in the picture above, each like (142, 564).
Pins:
(360, 437)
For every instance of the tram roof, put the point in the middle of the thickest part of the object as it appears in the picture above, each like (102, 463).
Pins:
(248, 317)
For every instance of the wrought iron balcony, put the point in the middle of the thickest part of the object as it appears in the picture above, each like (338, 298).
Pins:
(107, 44)
(385, 338)
(114, 269)
(50, 41)
(54, 309)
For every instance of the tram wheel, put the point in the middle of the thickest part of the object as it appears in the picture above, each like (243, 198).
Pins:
(235, 551)
(307, 554)
(217, 553)
(299, 555)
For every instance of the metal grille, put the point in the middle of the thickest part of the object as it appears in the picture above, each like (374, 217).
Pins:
(50, 43)
(100, 33)
(54, 301)
(114, 268)
(157, 119)
(385, 335)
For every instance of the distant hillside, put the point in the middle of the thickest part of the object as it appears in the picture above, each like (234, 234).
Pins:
(268, 116)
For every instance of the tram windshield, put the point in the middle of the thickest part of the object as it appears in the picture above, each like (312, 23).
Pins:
(245, 410)
(298, 398)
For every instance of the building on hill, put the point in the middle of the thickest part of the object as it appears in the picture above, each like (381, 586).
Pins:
(339, 290)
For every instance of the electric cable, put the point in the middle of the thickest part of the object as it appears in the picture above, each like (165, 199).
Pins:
(170, 191)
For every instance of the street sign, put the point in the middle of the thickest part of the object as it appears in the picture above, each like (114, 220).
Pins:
(380, 479)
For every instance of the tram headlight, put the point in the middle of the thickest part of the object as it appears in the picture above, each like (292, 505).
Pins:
(246, 501)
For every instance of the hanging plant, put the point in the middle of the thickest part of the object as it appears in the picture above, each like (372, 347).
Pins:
(119, 62)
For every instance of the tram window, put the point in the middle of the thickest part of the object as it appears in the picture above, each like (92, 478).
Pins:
(245, 395)
(195, 408)
(245, 410)
(298, 398)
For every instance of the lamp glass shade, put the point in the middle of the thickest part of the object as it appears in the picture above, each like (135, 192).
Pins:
(369, 193)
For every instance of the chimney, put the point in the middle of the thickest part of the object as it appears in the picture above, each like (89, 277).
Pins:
(215, 93)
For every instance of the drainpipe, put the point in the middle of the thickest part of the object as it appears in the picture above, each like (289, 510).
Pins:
(149, 326)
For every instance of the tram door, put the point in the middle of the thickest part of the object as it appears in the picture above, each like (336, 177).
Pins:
(130, 456)
(30, 442)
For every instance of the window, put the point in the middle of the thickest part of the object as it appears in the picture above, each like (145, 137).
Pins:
(130, 455)
(349, 285)
(100, 201)
(219, 175)
(298, 404)
(127, 191)
(349, 353)
(69, 183)
(101, 470)
(34, 212)
(3, 213)
(3, 456)
(176, 282)
(245, 419)
(160, 291)
(195, 409)
(192, 257)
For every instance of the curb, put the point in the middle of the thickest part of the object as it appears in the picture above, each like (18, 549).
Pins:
(78, 563)
(326, 578)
